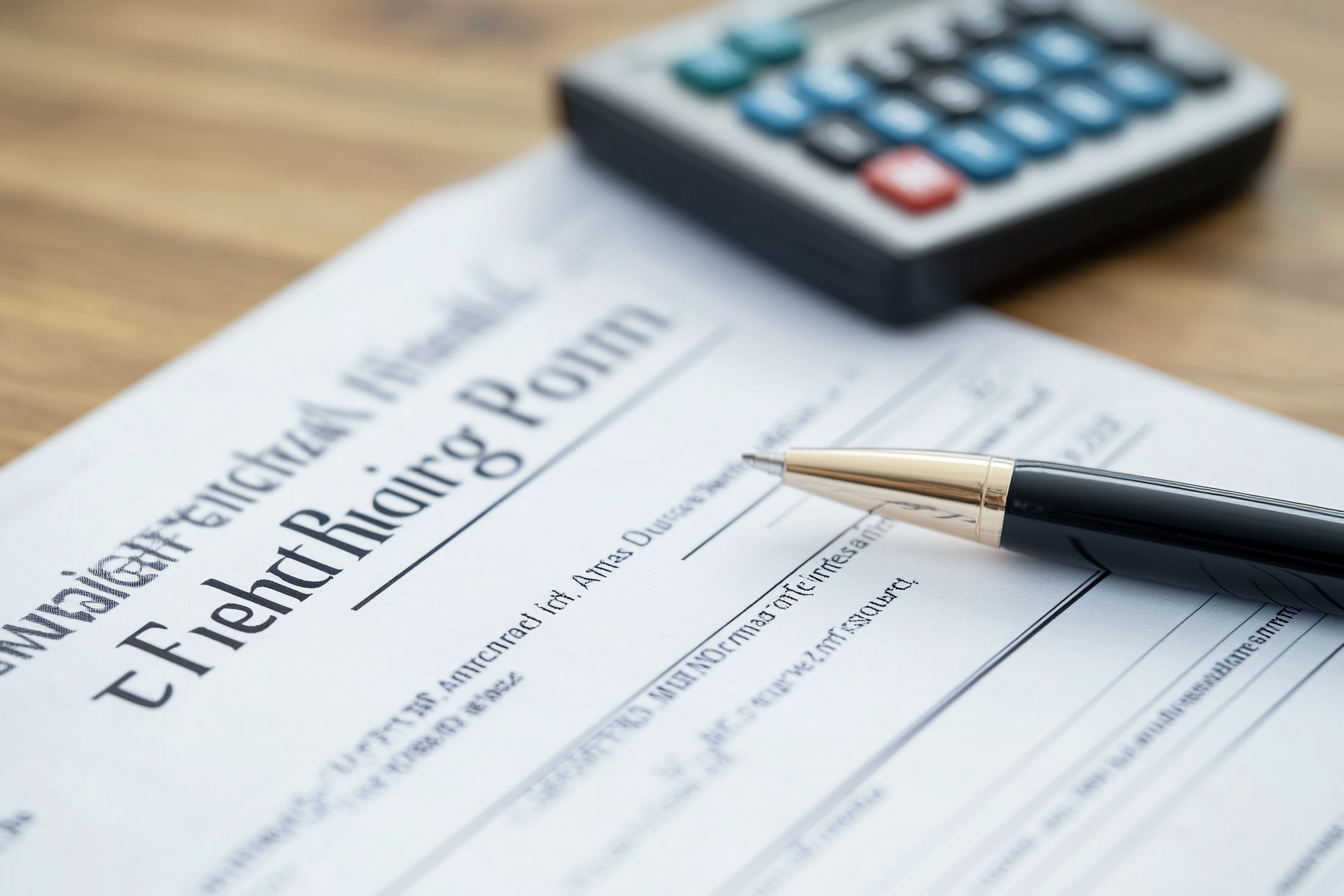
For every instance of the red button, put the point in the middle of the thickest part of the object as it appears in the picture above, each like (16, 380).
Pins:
(912, 179)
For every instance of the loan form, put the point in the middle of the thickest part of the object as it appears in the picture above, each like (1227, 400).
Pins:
(439, 573)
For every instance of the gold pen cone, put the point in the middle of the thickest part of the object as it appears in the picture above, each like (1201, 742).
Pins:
(960, 494)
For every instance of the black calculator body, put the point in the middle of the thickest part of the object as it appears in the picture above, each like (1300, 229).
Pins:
(904, 155)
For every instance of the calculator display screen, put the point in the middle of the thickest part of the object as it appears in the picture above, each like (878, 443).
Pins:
(825, 18)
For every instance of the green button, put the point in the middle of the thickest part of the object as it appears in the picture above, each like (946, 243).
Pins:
(768, 42)
(715, 70)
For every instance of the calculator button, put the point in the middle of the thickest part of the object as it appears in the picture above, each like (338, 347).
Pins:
(1061, 48)
(982, 22)
(899, 118)
(1036, 9)
(1006, 72)
(1139, 82)
(841, 141)
(714, 70)
(1199, 63)
(933, 44)
(912, 179)
(832, 86)
(1086, 104)
(951, 93)
(1114, 21)
(768, 42)
(1037, 130)
(776, 109)
(980, 150)
(884, 65)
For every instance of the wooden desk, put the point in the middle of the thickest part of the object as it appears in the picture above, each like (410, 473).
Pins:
(167, 164)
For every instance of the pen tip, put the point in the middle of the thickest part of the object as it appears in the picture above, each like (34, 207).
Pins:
(768, 463)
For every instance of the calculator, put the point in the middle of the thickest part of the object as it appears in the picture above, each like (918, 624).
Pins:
(905, 155)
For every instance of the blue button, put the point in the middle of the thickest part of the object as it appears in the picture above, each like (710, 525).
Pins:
(1036, 129)
(768, 42)
(776, 109)
(1062, 49)
(1006, 72)
(978, 149)
(715, 70)
(1086, 104)
(832, 86)
(1143, 84)
(899, 118)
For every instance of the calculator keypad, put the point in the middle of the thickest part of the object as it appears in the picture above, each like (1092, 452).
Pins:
(1139, 82)
(951, 92)
(714, 70)
(1085, 104)
(980, 150)
(1120, 25)
(1060, 48)
(776, 109)
(841, 141)
(1200, 65)
(912, 179)
(832, 86)
(934, 44)
(884, 65)
(972, 96)
(1037, 130)
(900, 118)
(1006, 71)
(768, 43)
(982, 22)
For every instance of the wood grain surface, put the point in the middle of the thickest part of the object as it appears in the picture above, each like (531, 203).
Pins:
(167, 164)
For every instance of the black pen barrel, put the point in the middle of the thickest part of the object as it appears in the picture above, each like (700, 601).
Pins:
(1256, 548)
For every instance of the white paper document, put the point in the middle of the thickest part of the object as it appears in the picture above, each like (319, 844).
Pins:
(440, 573)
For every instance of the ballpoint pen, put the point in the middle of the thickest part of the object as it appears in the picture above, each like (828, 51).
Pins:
(1170, 532)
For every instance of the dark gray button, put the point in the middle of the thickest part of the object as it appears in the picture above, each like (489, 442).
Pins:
(1114, 21)
(885, 65)
(1036, 9)
(841, 141)
(933, 44)
(1198, 62)
(981, 22)
(951, 92)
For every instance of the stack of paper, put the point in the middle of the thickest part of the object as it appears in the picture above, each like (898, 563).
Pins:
(439, 573)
